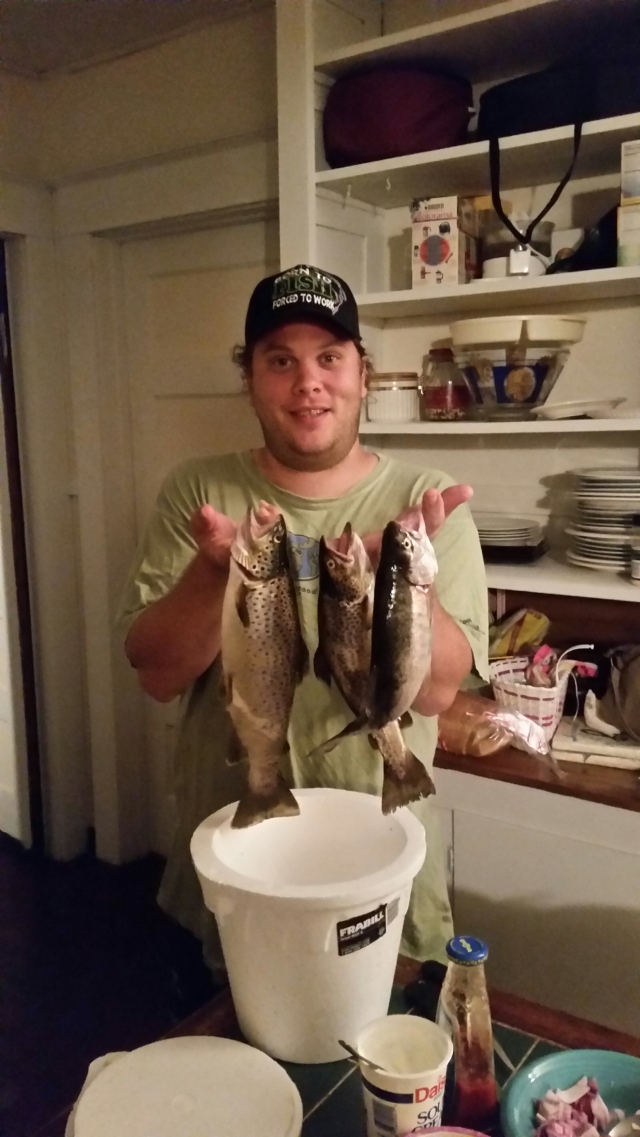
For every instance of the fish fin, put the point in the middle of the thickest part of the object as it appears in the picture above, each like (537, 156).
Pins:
(412, 784)
(406, 719)
(358, 726)
(254, 807)
(321, 667)
(241, 605)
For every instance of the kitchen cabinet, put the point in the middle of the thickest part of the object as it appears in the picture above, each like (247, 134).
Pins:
(355, 221)
(553, 884)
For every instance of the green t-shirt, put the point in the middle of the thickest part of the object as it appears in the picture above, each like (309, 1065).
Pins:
(205, 781)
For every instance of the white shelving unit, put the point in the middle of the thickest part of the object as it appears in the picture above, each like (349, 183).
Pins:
(562, 427)
(500, 295)
(355, 221)
(551, 577)
(513, 36)
(525, 160)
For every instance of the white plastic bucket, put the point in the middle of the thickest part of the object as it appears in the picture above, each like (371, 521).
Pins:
(310, 913)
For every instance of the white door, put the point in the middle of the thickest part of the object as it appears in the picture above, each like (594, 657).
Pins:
(184, 304)
(14, 793)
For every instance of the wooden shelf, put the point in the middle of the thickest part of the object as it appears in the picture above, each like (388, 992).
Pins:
(526, 160)
(505, 38)
(501, 295)
(563, 426)
(550, 576)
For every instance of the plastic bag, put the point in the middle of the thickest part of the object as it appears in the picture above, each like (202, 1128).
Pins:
(477, 726)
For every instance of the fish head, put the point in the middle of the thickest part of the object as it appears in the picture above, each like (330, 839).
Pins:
(405, 544)
(345, 568)
(260, 547)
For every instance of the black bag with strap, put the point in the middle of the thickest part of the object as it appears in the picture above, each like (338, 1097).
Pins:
(600, 79)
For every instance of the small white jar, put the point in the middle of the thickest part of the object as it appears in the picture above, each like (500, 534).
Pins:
(394, 396)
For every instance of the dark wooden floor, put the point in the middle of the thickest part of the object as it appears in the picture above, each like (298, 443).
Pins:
(88, 964)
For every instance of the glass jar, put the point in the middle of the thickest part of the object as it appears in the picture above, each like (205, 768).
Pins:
(444, 393)
(463, 1012)
(394, 396)
(635, 549)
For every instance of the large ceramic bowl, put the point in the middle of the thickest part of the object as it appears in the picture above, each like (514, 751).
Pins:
(512, 363)
(617, 1075)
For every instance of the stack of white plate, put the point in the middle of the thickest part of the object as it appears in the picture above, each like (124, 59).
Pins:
(507, 538)
(606, 500)
(503, 530)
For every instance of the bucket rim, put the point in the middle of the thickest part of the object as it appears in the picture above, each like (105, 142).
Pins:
(344, 893)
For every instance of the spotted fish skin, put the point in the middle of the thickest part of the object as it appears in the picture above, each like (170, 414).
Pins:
(263, 659)
(345, 614)
(402, 619)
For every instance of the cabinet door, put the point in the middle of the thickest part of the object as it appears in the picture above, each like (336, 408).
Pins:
(561, 917)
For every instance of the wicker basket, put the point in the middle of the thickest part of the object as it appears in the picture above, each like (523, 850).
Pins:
(542, 704)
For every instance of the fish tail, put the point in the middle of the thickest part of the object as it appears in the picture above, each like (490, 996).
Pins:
(358, 726)
(254, 807)
(399, 787)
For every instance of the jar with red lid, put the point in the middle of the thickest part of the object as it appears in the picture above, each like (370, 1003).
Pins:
(444, 395)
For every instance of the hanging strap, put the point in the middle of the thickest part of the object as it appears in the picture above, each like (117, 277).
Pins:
(494, 169)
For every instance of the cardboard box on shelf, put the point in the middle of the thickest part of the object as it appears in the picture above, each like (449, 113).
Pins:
(630, 173)
(628, 235)
(444, 241)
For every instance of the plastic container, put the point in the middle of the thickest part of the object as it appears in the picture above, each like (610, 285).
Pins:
(310, 913)
(464, 1013)
(181, 1087)
(445, 395)
(497, 240)
(512, 363)
(405, 1095)
(497, 267)
(394, 396)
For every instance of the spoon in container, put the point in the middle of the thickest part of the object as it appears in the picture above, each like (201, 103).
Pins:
(360, 1057)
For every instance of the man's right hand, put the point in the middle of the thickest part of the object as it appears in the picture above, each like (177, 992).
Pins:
(214, 534)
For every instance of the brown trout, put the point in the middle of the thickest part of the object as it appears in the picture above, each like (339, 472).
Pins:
(402, 618)
(345, 614)
(263, 658)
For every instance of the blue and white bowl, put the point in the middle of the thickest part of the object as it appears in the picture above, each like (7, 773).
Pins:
(617, 1075)
(512, 363)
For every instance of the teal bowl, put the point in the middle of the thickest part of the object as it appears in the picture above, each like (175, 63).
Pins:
(617, 1075)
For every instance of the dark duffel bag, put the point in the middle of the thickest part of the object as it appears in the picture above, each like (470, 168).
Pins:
(390, 112)
(600, 79)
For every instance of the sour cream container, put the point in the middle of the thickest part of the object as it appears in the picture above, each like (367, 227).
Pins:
(394, 396)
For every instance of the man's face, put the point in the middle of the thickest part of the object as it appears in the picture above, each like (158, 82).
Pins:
(306, 387)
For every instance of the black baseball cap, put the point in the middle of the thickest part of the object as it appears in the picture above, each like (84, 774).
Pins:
(304, 294)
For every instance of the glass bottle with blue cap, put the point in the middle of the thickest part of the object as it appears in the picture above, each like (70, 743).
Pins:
(463, 1012)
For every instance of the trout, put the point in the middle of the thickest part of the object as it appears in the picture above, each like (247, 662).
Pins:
(263, 659)
(345, 615)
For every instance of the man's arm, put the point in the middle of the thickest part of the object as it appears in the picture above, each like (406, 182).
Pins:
(173, 641)
(451, 661)
(451, 655)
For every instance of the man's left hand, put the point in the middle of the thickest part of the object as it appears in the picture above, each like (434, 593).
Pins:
(435, 507)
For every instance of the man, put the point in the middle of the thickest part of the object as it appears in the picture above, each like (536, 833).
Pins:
(305, 370)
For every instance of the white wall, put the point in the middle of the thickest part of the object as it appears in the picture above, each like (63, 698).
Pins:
(213, 84)
(182, 129)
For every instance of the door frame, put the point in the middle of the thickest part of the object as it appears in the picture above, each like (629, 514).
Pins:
(224, 186)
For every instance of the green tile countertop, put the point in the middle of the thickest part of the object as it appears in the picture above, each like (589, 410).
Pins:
(331, 1093)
